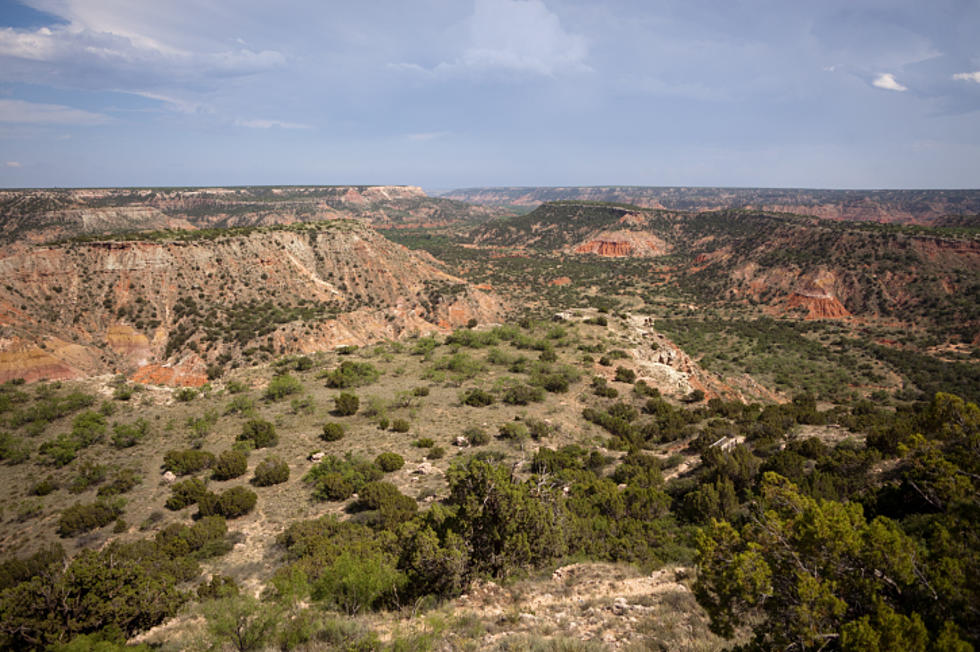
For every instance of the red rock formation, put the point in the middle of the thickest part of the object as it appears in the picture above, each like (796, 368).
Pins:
(561, 280)
(818, 306)
(191, 371)
(618, 244)
(605, 248)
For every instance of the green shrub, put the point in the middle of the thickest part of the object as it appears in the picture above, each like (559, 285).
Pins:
(476, 436)
(346, 404)
(539, 429)
(122, 392)
(13, 450)
(601, 388)
(184, 462)
(332, 432)
(61, 451)
(389, 462)
(88, 428)
(477, 398)
(206, 538)
(230, 464)
(424, 346)
(304, 363)
(125, 435)
(282, 386)
(462, 366)
(523, 394)
(123, 481)
(261, 433)
(356, 583)
(107, 408)
(696, 396)
(185, 394)
(44, 487)
(625, 375)
(200, 426)
(436, 453)
(241, 404)
(272, 470)
(184, 493)
(352, 374)
(236, 387)
(80, 518)
(333, 486)
(391, 505)
(230, 503)
(302, 405)
(89, 474)
(424, 442)
(514, 430)
(337, 478)
(400, 425)
(422, 390)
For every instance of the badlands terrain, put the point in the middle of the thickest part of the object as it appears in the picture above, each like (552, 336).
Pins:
(366, 418)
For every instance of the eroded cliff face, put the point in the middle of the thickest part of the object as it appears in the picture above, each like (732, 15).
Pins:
(622, 243)
(167, 310)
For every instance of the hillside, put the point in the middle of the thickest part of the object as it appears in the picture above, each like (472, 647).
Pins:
(824, 268)
(542, 485)
(886, 206)
(42, 215)
(176, 307)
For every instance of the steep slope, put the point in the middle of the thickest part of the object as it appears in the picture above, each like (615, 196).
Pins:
(173, 305)
(50, 214)
(886, 206)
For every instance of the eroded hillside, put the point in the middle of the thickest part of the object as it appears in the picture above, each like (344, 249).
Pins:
(43, 215)
(822, 269)
(175, 307)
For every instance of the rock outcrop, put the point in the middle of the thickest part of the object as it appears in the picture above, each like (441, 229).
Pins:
(623, 243)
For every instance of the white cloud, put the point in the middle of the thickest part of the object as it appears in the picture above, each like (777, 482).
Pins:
(513, 36)
(269, 124)
(96, 56)
(22, 112)
(13, 164)
(175, 103)
(888, 82)
(426, 135)
(968, 76)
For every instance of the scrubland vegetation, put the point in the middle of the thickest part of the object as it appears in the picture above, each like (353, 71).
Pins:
(370, 497)
(807, 523)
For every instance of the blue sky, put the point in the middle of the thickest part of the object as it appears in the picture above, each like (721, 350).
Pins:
(452, 93)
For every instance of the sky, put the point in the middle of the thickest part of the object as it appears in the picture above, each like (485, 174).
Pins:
(461, 93)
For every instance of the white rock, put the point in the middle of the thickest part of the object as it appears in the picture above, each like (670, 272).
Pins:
(169, 477)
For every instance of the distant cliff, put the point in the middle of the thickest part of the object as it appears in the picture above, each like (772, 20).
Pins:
(925, 207)
(44, 215)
